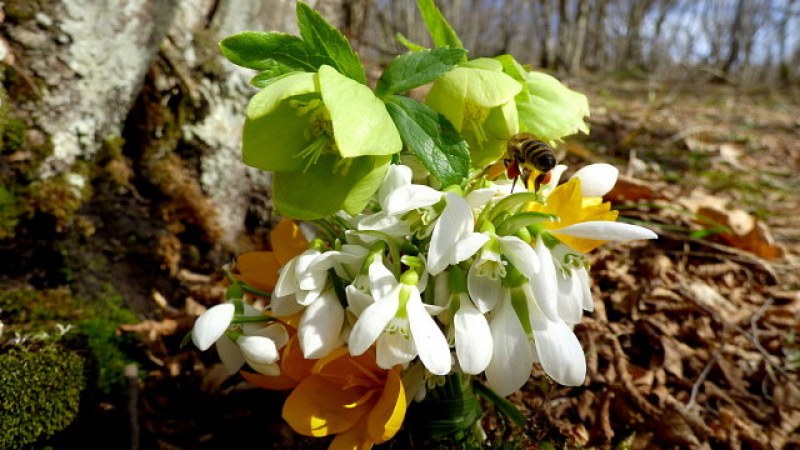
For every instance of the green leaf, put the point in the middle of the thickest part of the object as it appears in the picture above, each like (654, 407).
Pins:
(361, 124)
(431, 138)
(257, 50)
(267, 76)
(415, 69)
(408, 44)
(328, 186)
(329, 42)
(504, 406)
(521, 220)
(442, 33)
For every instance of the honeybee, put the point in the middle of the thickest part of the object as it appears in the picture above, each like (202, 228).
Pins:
(526, 155)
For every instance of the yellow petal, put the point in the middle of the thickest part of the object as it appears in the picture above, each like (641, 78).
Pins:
(278, 383)
(319, 407)
(292, 362)
(565, 201)
(287, 241)
(258, 269)
(386, 417)
(355, 438)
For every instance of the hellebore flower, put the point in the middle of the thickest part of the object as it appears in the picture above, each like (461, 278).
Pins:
(546, 108)
(478, 99)
(326, 137)
(351, 397)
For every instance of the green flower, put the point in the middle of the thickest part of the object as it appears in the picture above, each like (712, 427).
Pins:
(478, 99)
(547, 109)
(327, 138)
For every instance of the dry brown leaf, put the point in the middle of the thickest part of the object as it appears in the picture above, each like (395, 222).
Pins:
(629, 189)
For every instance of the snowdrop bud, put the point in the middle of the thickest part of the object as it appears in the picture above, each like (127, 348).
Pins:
(258, 349)
(211, 325)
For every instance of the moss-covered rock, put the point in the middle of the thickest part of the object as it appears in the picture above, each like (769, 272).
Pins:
(40, 393)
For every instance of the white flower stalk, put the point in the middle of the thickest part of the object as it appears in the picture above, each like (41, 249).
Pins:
(453, 239)
(399, 324)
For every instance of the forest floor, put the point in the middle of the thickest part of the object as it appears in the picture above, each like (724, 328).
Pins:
(694, 341)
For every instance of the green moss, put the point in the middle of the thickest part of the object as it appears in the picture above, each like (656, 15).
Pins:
(11, 209)
(58, 197)
(39, 393)
(13, 135)
(30, 312)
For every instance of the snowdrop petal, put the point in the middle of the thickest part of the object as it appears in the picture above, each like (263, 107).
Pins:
(396, 176)
(392, 349)
(586, 300)
(604, 230)
(570, 298)
(270, 370)
(558, 349)
(373, 321)
(468, 246)
(434, 352)
(484, 291)
(385, 223)
(544, 286)
(473, 338)
(357, 300)
(287, 283)
(512, 359)
(520, 254)
(320, 326)
(275, 332)
(597, 179)
(258, 349)
(230, 355)
(308, 278)
(285, 306)
(409, 197)
(211, 325)
(381, 280)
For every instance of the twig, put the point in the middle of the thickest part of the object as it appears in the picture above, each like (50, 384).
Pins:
(700, 379)
(132, 379)
(627, 382)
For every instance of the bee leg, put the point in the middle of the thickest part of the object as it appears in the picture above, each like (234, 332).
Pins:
(542, 178)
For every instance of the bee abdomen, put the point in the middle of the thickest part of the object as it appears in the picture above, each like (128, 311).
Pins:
(539, 154)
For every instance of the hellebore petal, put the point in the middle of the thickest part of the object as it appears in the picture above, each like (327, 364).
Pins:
(211, 325)
(361, 124)
(597, 179)
(273, 134)
(324, 189)
(552, 111)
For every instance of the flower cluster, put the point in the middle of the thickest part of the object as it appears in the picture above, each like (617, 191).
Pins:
(416, 276)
